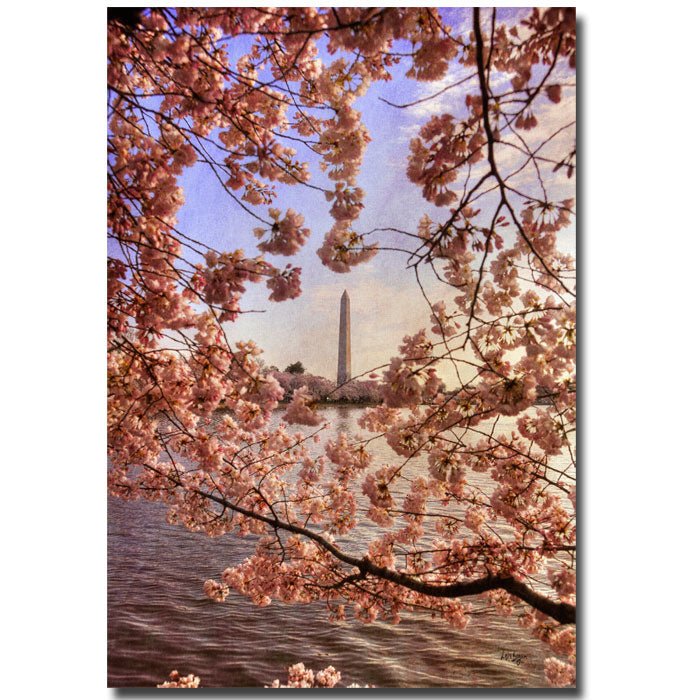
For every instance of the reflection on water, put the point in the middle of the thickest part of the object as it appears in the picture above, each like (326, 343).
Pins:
(159, 619)
(343, 418)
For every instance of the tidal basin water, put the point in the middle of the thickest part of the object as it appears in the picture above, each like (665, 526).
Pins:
(159, 618)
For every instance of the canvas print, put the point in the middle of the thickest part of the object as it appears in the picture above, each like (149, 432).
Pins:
(341, 347)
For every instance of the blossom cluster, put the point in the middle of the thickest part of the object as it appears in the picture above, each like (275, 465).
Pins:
(298, 676)
(175, 680)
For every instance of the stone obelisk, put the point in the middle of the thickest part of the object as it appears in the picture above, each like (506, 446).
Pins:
(344, 371)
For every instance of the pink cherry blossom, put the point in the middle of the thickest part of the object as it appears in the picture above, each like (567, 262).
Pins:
(175, 680)
(301, 409)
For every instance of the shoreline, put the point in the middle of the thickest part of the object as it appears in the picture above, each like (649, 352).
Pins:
(320, 404)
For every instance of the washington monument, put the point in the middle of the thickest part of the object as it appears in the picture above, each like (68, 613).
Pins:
(344, 371)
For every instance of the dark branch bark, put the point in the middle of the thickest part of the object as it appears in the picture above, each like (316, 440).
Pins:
(481, 68)
(564, 613)
(128, 17)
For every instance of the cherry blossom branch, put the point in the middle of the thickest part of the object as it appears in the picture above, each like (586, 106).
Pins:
(564, 613)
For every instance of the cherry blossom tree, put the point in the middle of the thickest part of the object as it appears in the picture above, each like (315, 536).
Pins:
(318, 387)
(358, 391)
(499, 172)
(298, 676)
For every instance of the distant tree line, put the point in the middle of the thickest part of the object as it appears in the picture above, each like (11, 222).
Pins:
(324, 390)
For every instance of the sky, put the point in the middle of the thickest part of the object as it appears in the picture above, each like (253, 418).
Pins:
(386, 302)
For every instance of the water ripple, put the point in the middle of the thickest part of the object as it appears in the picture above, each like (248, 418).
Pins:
(159, 619)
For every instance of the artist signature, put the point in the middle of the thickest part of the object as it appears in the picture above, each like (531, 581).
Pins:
(513, 657)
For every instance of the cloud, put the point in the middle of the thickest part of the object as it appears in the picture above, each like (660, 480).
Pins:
(552, 137)
(450, 101)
